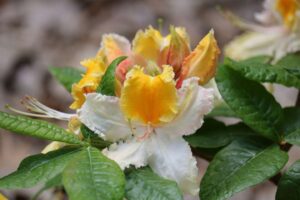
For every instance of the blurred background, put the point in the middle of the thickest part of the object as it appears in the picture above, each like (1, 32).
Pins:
(36, 34)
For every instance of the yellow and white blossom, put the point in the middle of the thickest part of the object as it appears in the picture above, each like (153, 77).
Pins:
(158, 101)
(151, 128)
(277, 34)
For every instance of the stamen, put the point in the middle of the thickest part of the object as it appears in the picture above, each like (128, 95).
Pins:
(25, 113)
(37, 109)
(35, 106)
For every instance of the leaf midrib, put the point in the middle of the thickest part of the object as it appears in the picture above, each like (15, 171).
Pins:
(238, 168)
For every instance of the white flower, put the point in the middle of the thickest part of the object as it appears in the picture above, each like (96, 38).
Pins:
(159, 145)
(277, 34)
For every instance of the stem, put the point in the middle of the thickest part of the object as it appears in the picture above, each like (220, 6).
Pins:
(284, 147)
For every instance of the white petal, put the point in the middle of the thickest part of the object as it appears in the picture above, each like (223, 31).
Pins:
(131, 152)
(218, 99)
(252, 44)
(102, 115)
(288, 44)
(194, 102)
(171, 158)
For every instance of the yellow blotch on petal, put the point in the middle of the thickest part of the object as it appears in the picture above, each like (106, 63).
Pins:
(149, 99)
(95, 68)
(148, 44)
(287, 9)
(202, 61)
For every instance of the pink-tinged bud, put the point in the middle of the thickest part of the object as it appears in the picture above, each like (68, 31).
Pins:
(176, 51)
(122, 69)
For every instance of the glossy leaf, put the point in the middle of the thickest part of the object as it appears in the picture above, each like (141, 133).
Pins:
(145, 184)
(289, 184)
(290, 126)
(264, 73)
(93, 176)
(214, 134)
(250, 101)
(67, 76)
(36, 128)
(108, 81)
(241, 164)
(39, 168)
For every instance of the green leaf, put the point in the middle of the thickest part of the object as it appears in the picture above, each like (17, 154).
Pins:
(290, 61)
(264, 73)
(66, 76)
(108, 81)
(93, 176)
(54, 182)
(222, 110)
(36, 128)
(39, 168)
(289, 184)
(214, 134)
(241, 164)
(290, 125)
(250, 101)
(93, 138)
(145, 184)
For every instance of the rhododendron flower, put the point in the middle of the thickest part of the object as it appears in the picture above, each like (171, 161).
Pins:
(148, 121)
(150, 50)
(277, 34)
(158, 101)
